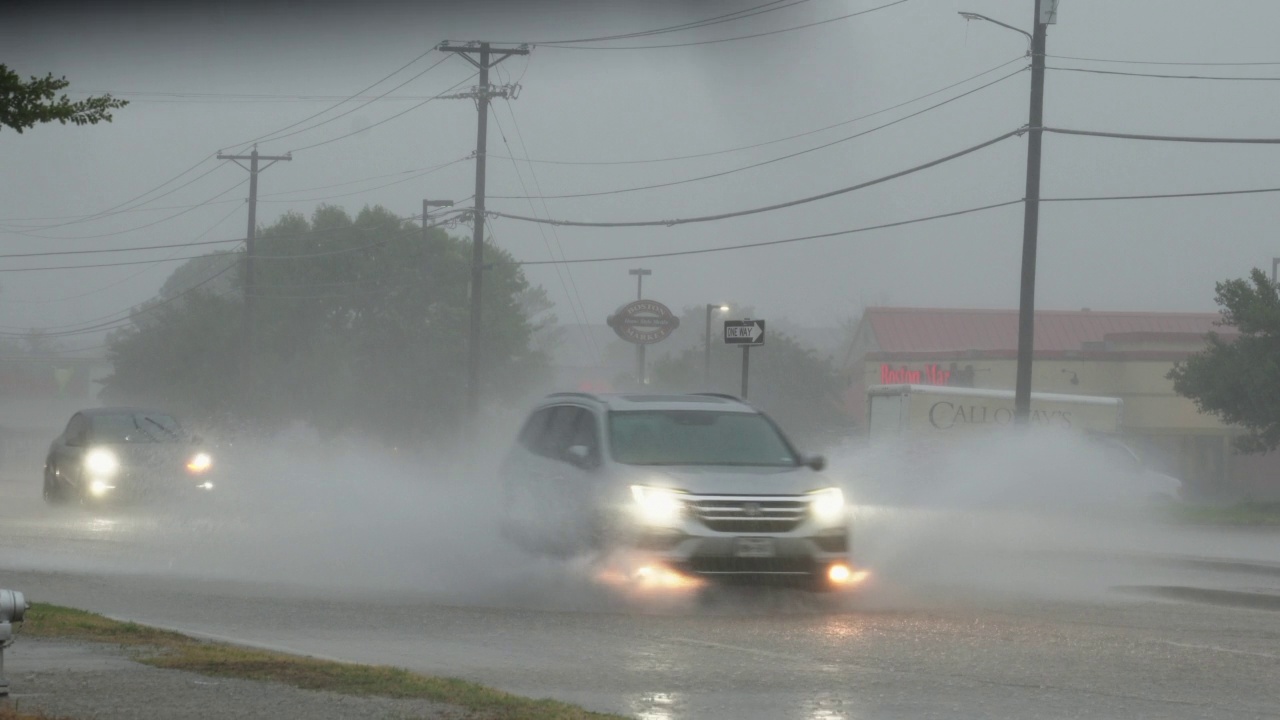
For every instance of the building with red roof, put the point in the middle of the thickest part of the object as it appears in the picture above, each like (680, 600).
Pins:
(1113, 354)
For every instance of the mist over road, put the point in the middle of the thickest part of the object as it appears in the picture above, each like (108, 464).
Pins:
(339, 554)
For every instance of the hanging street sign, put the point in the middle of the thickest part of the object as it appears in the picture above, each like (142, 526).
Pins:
(744, 332)
(643, 322)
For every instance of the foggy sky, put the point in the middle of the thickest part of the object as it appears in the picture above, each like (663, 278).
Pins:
(583, 105)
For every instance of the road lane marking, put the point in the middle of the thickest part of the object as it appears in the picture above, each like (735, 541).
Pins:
(1215, 648)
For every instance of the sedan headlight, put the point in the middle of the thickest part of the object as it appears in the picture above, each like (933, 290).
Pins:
(199, 463)
(828, 505)
(101, 463)
(657, 506)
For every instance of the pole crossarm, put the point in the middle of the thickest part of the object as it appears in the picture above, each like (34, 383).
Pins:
(495, 54)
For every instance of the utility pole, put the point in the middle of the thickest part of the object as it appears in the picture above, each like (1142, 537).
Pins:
(488, 57)
(247, 328)
(640, 274)
(1045, 13)
(1275, 262)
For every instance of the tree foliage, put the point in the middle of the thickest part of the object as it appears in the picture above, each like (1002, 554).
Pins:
(362, 324)
(796, 386)
(23, 105)
(1238, 379)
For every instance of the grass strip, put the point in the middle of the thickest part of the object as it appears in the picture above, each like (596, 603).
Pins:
(8, 713)
(1243, 514)
(175, 651)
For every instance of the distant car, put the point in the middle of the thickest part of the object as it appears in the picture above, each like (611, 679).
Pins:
(1134, 480)
(118, 454)
(700, 485)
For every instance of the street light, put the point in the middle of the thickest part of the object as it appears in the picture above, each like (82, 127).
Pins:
(706, 361)
(1046, 12)
(976, 16)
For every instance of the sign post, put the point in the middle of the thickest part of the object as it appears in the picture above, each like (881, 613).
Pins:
(643, 322)
(748, 333)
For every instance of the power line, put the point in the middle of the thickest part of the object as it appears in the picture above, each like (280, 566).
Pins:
(770, 161)
(1161, 76)
(365, 104)
(745, 246)
(778, 140)
(392, 74)
(192, 257)
(422, 174)
(770, 208)
(1165, 138)
(116, 210)
(120, 322)
(161, 185)
(579, 309)
(178, 98)
(706, 22)
(447, 90)
(127, 278)
(968, 211)
(1164, 196)
(97, 251)
(416, 173)
(1156, 62)
(728, 39)
(132, 229)
(130, 310)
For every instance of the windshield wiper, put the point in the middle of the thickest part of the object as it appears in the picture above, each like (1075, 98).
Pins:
(167, 431)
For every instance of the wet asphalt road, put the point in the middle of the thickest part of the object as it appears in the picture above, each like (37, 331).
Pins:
(967, 616)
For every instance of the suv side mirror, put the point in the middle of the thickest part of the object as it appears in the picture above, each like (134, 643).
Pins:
(816, 463)
(579, 455)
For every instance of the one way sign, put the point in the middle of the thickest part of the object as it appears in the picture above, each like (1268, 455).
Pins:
(744, 332)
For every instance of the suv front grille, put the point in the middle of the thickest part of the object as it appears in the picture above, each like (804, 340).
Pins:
(749, 515)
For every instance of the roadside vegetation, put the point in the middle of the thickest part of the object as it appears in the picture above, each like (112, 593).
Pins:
(1243, 515)
(170, 650)
(9, 713)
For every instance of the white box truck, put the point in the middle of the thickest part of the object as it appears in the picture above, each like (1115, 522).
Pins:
(923, 429)
(937, 410)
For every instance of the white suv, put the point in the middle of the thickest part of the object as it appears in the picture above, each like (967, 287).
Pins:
(702, 485)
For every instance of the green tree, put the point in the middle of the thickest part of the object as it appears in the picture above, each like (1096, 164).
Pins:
(23, 105)
(797, 387)
(1238, 380)
(362, 325)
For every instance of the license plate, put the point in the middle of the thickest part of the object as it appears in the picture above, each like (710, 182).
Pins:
(754, 547)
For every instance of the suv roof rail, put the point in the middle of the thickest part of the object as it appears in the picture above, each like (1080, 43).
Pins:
(587, 395)
(724, 396)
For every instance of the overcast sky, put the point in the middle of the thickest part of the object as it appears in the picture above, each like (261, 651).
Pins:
(215, 75)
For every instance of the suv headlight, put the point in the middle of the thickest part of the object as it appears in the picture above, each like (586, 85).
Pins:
(657, 506)
(199, 463)
(828, 505)
(101, 463)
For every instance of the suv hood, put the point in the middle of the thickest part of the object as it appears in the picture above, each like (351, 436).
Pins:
(731, 480)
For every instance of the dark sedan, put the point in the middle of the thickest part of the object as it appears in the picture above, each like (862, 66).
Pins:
(108, 454)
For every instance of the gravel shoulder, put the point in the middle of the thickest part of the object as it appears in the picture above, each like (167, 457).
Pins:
(72, 679)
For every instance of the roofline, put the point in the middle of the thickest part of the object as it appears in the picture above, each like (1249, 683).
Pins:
(1006, 354)
(1014, 311)
(1000, 394)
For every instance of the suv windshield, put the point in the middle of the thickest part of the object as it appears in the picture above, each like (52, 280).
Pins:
(135, 428)
(697, 437)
